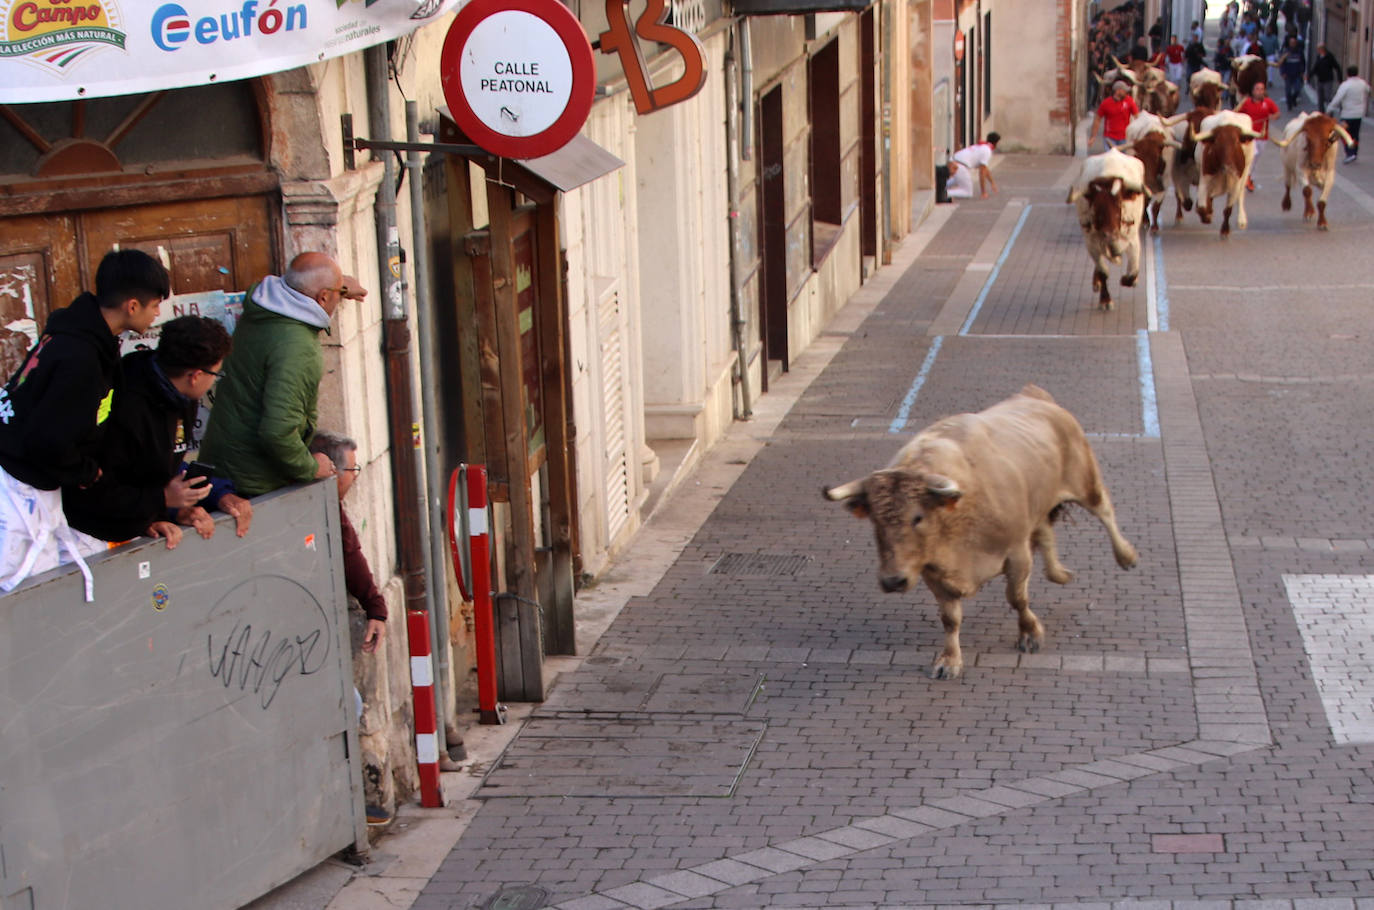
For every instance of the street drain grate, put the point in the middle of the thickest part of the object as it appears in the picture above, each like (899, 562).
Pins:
(521, 897)
(758, 564)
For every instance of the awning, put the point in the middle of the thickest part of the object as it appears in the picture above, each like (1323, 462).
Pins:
(797, 7)
(98, 48)
(579, 162)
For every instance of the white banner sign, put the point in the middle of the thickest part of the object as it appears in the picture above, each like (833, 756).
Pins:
(59, 50)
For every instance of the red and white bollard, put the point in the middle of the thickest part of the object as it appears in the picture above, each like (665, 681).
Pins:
(483, 622)
(426, 714)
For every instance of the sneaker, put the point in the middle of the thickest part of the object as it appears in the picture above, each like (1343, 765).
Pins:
(377, 815)
(1349, 159)
(1250, 184)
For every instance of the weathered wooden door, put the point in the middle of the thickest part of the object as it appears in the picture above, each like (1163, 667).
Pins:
(39, 272)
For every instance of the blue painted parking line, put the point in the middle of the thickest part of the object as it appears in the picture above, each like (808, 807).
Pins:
(904, 412)
(992, 276)
(1149, 407)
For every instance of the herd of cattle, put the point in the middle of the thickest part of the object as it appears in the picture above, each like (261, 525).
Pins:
(1208, 147)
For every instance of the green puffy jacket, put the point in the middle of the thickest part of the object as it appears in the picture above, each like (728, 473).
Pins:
(264, 410)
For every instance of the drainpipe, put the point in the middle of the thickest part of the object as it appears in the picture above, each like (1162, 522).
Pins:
(746, 59)
(410, 503)
(732, 138)
(429, 409)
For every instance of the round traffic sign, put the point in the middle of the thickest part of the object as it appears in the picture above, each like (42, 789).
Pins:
(518, 75)
(958, 45)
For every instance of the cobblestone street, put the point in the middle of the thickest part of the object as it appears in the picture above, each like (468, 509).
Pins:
(758, 728)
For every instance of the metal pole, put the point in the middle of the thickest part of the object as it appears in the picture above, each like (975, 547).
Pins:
(401, 411)
(429, 410)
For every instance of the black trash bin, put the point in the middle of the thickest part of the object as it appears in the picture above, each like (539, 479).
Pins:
(941, 176)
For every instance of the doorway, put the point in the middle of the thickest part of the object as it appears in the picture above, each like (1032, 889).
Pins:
(773, 311)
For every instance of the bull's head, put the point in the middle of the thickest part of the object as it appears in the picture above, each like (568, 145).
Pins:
(908, 510)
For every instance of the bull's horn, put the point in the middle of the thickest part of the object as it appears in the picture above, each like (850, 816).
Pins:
(1116, 187)
(1341, 131)
(1199, 137)
(1251, 133)
(1281, 143)
(1125, 149)
(843, 491)
(942, 488)
(1174, 120)
(1119, 64)
(1074, 193)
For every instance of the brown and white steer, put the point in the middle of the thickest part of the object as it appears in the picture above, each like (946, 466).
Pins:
(1246, 70)
(1225, 150)
(972, 497)
(1205, 88)
(1153, 91)
(1309, 159)
(1110, 195)
(1184, 174)
(1148, 139)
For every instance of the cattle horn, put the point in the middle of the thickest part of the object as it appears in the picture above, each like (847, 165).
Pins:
(843, 491)
(1199, 137)
(1174, 120)
(1125, 149)
(1251, 133)
(1345, 136)
(942, 488)
(1281, 143)
(1172, 142)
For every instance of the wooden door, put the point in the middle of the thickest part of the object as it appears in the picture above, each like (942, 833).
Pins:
(39, 272)
(207, 245)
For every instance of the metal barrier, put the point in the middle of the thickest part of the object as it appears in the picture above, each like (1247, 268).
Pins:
(185, 740)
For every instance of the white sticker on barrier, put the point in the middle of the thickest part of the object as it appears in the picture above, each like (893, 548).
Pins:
(426, 748)
(477, 522)
(421, 671)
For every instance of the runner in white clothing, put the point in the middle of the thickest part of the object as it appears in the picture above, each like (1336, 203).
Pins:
(964, 162)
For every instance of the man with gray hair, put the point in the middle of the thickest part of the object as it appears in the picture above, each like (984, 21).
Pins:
(343, 453)
(266, 406)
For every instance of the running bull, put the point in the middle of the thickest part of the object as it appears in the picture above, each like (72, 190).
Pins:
(1309, 159)
(971, 497)
(1110, 197)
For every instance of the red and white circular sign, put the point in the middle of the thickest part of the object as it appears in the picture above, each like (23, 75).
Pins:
(518, 75)
(958, 45)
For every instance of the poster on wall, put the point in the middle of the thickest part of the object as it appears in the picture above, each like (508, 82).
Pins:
(61, 50)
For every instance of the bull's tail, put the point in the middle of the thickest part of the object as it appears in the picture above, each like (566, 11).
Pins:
(1031, 390)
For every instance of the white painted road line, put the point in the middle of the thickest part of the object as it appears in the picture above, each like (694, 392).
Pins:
(1337, 623)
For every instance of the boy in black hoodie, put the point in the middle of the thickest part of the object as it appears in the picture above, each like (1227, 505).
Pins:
(52, 411)
(142, 490)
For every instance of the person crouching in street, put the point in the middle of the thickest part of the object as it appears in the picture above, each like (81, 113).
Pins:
(143, 490)
(53, 412)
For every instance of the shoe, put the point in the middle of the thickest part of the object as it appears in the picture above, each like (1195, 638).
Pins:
(377, 815)
(1349, 159)
(1250, 184)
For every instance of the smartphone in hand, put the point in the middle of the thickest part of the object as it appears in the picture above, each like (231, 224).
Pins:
(199, 469)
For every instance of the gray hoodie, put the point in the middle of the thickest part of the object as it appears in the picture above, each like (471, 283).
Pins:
(275, 295)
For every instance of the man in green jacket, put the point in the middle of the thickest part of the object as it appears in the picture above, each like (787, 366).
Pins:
(264, 412)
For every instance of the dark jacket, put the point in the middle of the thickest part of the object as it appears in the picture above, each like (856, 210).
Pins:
(1326, 68)
(145, 437)
(357, 574)
(264, 411)
(53, 408)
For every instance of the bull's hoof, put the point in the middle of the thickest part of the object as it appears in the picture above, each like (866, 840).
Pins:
(1187, 205)
(1204, 217)
(1127, 558)
(1028, 644)
(1154, 227)
(1323, 226)
(946, 670)
(1059, 575)
(1106, 304)
(1288, 204)
(1128, 281)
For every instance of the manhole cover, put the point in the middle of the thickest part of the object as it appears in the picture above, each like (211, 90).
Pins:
(521, 897)
(758, 564)
(645, 756)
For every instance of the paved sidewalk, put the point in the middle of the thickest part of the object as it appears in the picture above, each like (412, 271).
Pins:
(756, 728)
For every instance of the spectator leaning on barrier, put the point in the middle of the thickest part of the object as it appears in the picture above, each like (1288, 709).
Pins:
(343, 452)
(142, 490)
(54, 408)
(265, 409)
